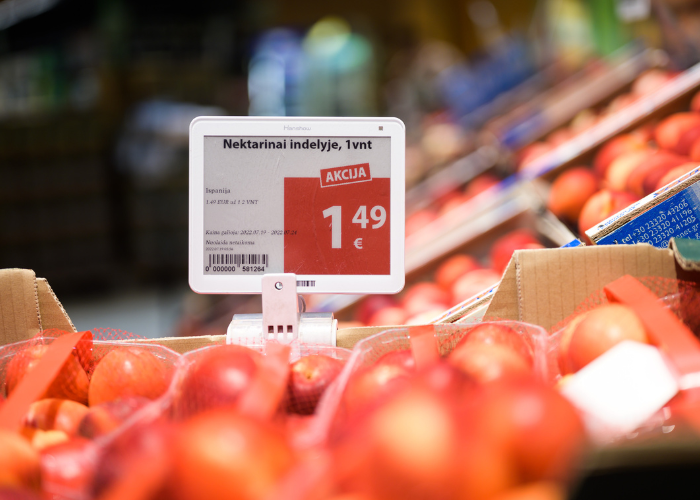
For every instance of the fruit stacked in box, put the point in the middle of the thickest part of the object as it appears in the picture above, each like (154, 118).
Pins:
(446, 411)
(448, 201)
(457, 278)
(646, 84)
(627, 168)
(111, 402)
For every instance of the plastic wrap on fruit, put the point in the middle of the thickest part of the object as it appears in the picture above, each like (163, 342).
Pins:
(386, 363)
(581, 345)
(57, 383)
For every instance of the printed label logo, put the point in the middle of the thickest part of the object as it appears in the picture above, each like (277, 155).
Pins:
(348, 174)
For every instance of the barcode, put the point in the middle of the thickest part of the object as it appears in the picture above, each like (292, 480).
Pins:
(306, 283)
(238, 259)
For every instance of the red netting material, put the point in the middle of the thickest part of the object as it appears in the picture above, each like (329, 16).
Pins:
(73, 381)
(681, 297)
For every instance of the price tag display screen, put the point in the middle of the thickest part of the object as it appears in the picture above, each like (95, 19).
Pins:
(313, 205)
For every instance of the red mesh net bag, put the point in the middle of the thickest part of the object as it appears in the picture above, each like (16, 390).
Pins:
(70, 393)
(682, 298)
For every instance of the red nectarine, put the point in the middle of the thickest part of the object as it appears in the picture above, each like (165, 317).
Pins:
(217, 378)
(668, 133)
(56, 414)
(498, 334)
(71, 382)
(310, 377)
(614, 148)
(570, 191)
(126, 372)
(107, 417)
(19, 462)
(454, 268)
(223, 455)
(602, 205)
(542, 430)
(472, 283)
(599, 330)
(489, 362)
(675, 173)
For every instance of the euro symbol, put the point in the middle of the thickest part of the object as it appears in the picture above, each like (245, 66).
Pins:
(358, 243)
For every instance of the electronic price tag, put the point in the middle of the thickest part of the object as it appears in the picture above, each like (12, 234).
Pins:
(319, 198)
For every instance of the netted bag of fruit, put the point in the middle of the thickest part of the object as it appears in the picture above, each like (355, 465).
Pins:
(598, 324)
(69, 392)
(386, 362)
(438, 432)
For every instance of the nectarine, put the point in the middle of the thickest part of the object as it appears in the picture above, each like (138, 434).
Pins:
(56, 414)
(602, 205)
(107, 417)
(542, 430)
(71, 382)
(669, 132)
(489, 362)
(499, 334)
(217, 378)
(19, 462)
(223, 455)
(127, 372)
(615, 148)
(472, 283)
(310, 377)
(454, 268)
(601, 329)
(570, 191)
(620, 169)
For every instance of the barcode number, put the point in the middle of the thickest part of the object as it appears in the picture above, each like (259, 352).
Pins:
(228, 261)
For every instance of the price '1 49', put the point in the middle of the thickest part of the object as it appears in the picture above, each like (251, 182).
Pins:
(377, 214)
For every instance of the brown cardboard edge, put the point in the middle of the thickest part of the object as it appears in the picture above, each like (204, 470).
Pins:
(182, 344)
(554, 282)
(52, 313)
(19, 306)
(685, 264)
(457, 315)
(346, 338)
(504, 304)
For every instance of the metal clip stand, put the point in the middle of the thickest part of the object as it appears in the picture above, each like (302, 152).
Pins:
(281, 318)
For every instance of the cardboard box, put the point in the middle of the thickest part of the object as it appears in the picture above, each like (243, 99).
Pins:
(545, 286)
(541, 287)
(29, 306)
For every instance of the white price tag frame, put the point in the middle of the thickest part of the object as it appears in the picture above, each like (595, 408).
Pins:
(239, 218)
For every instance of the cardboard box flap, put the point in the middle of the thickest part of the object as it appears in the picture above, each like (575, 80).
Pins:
(52, 313)
(686, 252)
(543, 287)
(504, 304)
(19, 306)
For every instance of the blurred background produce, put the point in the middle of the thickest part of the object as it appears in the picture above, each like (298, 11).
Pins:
(96, 98)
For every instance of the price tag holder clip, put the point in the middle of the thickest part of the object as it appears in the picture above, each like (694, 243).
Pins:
(282, 319)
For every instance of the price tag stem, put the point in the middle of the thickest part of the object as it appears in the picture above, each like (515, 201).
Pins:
(282, 319)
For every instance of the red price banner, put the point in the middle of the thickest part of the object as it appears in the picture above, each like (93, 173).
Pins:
(337, 229)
